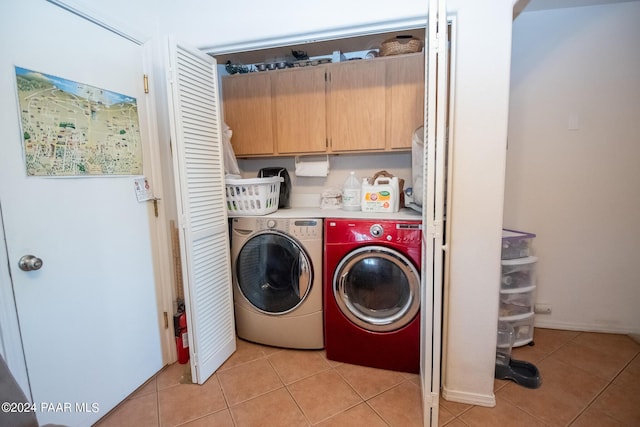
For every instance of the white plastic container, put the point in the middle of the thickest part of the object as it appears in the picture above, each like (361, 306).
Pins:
(522, 327)
(516, 244)
(506, 338)
(381, 196)
(351, 193)
(515, 302)
(518, 273)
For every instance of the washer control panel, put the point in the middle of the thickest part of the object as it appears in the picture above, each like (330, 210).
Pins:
(299, 228)
(306, 228)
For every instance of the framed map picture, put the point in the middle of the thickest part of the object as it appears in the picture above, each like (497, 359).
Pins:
(73, 129)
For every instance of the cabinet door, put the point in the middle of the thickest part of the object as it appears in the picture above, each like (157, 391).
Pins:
(300, 110)
(247, 111)
(357, 106)
(405, 99)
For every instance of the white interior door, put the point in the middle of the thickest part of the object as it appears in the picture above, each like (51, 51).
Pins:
(88, 318)
(194, 107)
(434, 172)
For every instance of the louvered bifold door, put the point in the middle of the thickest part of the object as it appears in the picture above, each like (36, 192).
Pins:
(194, 107)
(434, 172)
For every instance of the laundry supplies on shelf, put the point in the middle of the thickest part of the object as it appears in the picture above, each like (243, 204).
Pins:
(351, 191)
(381, 193)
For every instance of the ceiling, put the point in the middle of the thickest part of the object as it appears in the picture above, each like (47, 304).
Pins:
(373, 41)
(559, 4)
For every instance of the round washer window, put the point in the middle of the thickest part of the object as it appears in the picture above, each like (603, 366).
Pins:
(273, 272)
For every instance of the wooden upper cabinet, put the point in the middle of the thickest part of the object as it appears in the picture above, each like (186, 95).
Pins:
(247, 111)
(300, 110)
(405, 99)
(357, 106)
(352, 106)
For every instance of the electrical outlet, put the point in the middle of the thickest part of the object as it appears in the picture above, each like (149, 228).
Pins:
(540, 308)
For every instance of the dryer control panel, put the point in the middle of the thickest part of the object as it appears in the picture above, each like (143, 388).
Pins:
(338, 231)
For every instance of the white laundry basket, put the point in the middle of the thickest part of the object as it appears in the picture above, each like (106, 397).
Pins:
(252, 196)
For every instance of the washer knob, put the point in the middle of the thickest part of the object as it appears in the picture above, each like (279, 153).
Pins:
(271, 223)
(376, 230)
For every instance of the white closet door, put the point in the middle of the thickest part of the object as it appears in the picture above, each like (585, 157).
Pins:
(434, 173)
(194, 107)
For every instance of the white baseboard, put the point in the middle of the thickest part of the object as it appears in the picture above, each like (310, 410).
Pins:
(541, 322)
(488, 400)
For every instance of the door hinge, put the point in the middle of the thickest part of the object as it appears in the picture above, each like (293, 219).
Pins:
(155, 206)
(438, 226)
(432, 399)
(145, 83)
(165, 315)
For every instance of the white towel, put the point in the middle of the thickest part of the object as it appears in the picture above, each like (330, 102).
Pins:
(312, 168)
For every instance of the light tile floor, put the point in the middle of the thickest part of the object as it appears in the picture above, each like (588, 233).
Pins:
(589, 379)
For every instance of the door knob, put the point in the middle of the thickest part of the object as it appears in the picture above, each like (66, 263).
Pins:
(29, 263)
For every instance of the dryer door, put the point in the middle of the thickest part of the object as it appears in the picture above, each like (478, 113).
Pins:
(377, 288)
(273, 272)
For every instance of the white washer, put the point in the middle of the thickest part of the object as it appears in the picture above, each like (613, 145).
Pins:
(277, 281)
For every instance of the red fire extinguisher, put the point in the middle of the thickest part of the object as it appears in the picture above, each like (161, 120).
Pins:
(182, 339)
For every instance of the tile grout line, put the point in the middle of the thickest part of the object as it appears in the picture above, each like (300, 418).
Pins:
(544, 357)
(333, 368)
(286, 387)
(596, 396)
(157, 391)
(604, 389)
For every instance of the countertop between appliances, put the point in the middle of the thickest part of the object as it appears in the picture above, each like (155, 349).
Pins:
(308, 212)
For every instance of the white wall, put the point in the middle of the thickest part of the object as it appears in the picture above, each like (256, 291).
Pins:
(578, 190)
(208, 24)
(306, 191)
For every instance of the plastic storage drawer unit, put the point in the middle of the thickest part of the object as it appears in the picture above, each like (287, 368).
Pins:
(514, 302)
(516, 244)
(518, 273)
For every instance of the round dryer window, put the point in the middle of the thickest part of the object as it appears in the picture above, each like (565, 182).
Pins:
(273, 272)
(377, 288)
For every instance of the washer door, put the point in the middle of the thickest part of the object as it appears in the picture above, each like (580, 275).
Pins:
(377, 288)
(273, 272)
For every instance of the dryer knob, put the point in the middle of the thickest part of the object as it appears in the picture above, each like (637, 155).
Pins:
(376, 230)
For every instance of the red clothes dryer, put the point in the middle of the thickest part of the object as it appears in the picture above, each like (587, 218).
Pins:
(372, 292)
